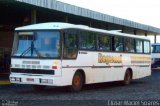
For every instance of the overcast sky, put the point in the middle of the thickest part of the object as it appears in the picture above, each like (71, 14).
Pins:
(141, 11)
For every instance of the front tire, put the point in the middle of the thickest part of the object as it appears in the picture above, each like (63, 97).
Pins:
(77, 82)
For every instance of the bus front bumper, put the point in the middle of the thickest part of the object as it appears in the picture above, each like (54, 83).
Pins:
(34, 79)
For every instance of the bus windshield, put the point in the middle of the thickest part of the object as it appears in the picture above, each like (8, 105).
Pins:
(155, 48)
(37, 44)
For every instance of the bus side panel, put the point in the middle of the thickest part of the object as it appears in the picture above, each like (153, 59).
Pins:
(84, 61)
(141, 65)
(68, 73)
(95, 70)
(140, 72)
(106, 67)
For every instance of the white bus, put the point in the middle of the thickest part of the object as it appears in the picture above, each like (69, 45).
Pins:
(63, 54)
(155, 55)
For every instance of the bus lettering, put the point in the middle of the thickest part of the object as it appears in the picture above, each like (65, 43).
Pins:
(109, 59)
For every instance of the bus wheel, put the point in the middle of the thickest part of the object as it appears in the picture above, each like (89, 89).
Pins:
(38, 87)
(127, 78)
(77, 82)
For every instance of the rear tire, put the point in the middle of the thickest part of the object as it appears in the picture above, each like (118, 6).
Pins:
(38, 87)
(77, 82)
(127, 78)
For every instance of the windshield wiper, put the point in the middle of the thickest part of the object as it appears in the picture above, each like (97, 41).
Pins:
(29, 49)
(26, 51)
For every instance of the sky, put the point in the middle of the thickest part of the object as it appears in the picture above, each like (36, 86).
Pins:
(141, 11)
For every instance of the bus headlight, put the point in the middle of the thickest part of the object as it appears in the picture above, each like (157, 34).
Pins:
(12, 78)
(15, 79)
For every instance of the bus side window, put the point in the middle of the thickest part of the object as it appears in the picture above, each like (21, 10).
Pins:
(129, 45)
(139, 46)
(146, 46)
(87, 40)
(104, 42)
(70, 45)
(118, 44)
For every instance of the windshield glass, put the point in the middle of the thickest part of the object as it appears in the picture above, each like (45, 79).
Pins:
(155, 48)
(37, 44)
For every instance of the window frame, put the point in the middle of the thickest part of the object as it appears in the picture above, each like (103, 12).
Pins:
(113, 43)
(60, 53)
(95, 39)
(63, 39)
(110, 42)
(149, 46)
(136, 46)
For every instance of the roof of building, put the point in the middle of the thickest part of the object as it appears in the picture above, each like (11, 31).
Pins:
(67, 8)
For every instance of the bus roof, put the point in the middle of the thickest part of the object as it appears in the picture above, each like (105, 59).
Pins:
(61, 25)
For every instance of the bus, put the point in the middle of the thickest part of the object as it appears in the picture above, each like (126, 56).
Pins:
(64, 54)
(155, 55)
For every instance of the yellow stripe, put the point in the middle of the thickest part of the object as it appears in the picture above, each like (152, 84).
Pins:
(4, 82)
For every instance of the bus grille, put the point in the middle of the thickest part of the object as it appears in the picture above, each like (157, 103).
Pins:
(32, 71)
